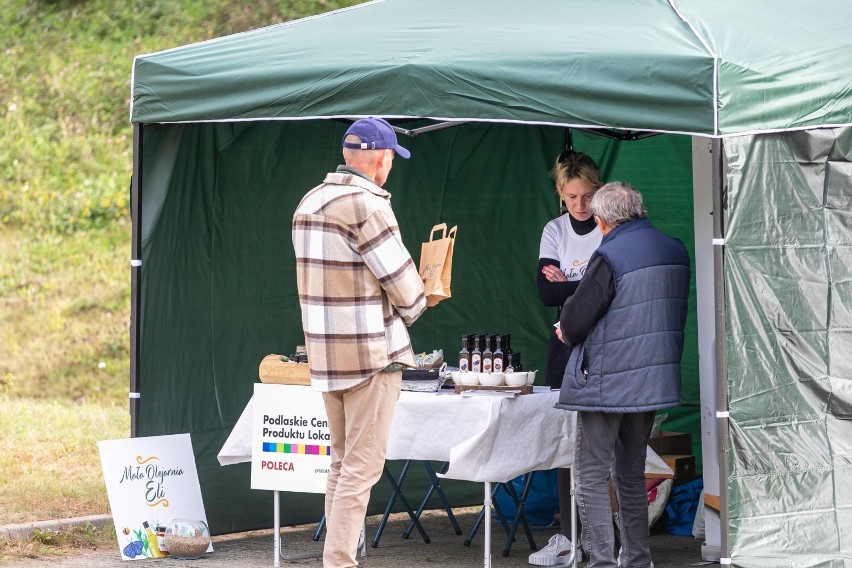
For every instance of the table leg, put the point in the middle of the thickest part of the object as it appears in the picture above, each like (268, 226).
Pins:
(320, 528)
(397, 492)
(520, 517)
(391, 500)
(479, 518)
(486, 506)
(443, 497)
(435, 487)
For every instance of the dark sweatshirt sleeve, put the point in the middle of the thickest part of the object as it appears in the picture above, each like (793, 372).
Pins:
(553, 293)
(589, 302)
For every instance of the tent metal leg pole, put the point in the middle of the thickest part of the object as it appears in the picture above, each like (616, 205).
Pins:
(722, 418)
(135, 276)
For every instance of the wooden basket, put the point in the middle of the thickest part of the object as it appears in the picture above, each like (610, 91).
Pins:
(275, 371)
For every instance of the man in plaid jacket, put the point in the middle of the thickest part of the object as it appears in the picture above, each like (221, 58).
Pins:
(359, 289)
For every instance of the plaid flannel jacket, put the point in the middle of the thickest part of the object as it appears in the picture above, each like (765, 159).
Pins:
(358, 286)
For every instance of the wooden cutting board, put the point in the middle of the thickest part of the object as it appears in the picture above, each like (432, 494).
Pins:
(275, 371)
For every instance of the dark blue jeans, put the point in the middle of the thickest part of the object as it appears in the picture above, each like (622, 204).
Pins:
(616, 443)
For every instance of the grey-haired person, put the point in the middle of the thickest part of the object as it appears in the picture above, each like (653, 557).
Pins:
(359, 290)
(625, 327)
(567, 244)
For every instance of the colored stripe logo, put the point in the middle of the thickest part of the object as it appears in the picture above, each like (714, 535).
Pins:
(307, 449)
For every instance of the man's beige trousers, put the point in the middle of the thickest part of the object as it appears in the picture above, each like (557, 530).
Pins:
(359, 420)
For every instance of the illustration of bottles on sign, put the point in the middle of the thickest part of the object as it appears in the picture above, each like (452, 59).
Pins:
(145, 542)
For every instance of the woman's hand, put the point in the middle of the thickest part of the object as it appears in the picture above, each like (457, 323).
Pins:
(553, 274)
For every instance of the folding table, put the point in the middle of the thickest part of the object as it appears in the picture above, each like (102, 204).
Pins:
(484, 437)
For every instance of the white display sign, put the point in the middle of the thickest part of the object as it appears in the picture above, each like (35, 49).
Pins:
(149, 482)
(291, 442)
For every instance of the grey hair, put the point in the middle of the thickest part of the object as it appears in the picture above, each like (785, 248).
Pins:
(617, 202)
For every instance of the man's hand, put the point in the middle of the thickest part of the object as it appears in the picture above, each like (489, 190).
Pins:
(558, 331)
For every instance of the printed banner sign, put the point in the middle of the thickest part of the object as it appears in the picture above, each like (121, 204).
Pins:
(291, 442)
(150, 481)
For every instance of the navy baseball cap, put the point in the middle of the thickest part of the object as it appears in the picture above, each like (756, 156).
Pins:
(375, 134)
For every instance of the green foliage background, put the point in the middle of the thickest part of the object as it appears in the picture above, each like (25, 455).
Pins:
(65, 137)
(65, 168)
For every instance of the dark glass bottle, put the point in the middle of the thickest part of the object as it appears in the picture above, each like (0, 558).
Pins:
(497, 358)
(507, 348)
(514, 362)
(464, 356)
(476, 356)
(487, 356)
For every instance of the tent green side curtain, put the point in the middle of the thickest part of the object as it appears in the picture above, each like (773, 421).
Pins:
(788, 280)
(689, 66)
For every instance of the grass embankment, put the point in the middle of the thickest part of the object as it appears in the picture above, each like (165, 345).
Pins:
(50, 466)
(64, 301)
(65, 165)
(64, 313)
(59, 475)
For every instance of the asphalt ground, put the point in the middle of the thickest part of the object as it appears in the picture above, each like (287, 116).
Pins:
(446, 549)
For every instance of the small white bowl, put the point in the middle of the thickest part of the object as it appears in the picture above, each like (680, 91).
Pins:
(531, 377)
(469, 378)
(491, 379)
(516, 379)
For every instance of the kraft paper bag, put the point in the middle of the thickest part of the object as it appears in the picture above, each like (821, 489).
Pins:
(436, 264)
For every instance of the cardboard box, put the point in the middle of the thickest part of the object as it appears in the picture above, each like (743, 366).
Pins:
(672, 444)
(683, 466)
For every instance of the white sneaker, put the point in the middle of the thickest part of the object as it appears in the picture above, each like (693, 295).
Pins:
(558, 552)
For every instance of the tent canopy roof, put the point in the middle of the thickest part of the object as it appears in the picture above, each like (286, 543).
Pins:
(708, 68)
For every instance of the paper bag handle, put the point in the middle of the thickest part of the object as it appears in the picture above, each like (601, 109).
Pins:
(443, 229)
(452, 232)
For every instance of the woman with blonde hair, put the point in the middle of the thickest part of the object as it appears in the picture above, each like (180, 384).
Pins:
(567, 243)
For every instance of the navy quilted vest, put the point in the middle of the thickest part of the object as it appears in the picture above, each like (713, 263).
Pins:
(633, 353)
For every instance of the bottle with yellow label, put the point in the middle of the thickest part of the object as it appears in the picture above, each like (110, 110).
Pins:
(153, 546)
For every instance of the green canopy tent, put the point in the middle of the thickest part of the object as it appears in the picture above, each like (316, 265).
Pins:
(231, 132)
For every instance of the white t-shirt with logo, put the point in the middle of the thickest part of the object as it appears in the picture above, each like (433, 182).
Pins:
(560, 242)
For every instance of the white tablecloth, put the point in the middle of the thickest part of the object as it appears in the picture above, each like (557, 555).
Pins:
(484, 438)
